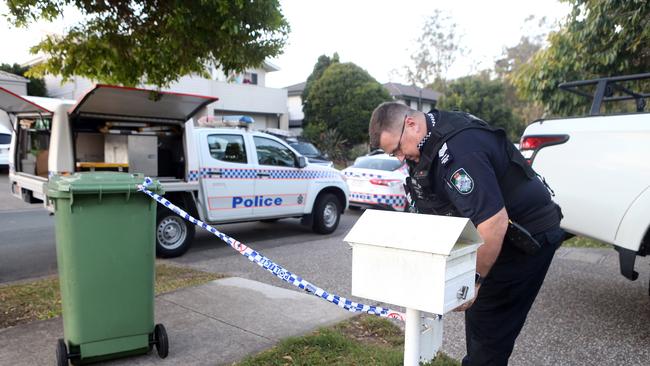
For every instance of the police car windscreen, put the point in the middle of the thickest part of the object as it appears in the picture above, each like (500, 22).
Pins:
(5, 139)
(378, 164)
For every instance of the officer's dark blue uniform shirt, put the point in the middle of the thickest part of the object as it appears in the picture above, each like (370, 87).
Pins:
(470, 166)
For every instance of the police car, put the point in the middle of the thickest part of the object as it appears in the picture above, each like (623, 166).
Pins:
(218, 171)
(377, 181)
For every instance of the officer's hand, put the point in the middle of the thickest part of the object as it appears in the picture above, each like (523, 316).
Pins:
(469, 304)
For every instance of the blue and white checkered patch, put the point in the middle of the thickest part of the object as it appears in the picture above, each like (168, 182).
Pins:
(194, 175)
(396, 201)
(364, 175)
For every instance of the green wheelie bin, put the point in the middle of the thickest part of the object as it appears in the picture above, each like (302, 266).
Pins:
(105, 247)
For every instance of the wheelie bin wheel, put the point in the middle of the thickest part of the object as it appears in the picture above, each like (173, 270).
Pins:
(61, 353)
(162, 342)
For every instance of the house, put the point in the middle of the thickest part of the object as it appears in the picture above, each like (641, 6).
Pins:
(417, 98)
(421, 99)
(244, 93)
(294, 104)
(14, 83)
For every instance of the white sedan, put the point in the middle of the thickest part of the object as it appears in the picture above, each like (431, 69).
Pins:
(377, 181)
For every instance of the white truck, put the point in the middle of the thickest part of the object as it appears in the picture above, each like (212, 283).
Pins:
(598, 166)
(221, 175)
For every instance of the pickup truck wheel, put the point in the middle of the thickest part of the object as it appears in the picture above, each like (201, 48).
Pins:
(327, 214)
(173, 234)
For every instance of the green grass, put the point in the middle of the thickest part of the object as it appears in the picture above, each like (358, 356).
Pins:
(363, 340)
(41, 299)
(582, 242)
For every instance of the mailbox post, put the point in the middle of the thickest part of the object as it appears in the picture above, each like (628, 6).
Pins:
(425, 263)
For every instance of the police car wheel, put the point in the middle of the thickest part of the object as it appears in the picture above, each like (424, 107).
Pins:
(327, 214)
(173, 234)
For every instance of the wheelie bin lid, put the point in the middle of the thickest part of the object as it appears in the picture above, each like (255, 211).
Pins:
(64, 186)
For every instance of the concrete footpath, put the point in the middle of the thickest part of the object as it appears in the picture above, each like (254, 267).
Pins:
(216, 323)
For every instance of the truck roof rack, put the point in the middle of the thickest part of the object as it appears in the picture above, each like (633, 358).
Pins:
(605, 91)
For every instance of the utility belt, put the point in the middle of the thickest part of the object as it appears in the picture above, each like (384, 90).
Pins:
(522, 235)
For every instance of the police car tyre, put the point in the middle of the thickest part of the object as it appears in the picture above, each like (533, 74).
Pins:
(61, 353)
(173, 234)
(327, 213)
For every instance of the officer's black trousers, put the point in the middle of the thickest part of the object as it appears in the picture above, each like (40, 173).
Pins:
(495, 319)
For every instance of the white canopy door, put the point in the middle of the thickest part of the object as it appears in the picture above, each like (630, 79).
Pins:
(13, 103)
(116, 102)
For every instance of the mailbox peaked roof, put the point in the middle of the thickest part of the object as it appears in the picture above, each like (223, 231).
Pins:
(408, 231)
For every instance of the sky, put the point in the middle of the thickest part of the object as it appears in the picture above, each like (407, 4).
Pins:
(378, 36)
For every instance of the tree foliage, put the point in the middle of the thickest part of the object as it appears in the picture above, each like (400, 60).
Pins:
(343, 98)
(35, 86)
(321, 65)
(524, 110)
(484, 97)
(438, 47)
(155, 41)
(598, 38)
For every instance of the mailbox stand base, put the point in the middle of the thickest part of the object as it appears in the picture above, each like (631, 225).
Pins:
(422, 338)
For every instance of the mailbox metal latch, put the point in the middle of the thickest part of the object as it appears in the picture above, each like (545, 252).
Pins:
(462, 293)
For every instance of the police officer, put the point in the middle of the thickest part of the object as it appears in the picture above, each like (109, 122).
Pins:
(461, 166)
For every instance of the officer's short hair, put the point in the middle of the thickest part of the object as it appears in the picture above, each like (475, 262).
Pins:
(386, 117)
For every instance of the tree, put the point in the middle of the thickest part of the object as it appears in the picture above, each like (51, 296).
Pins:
(343, 98)
(598, 38)
(321, 65)
(438, 47)
(505, 68)
(154, 41)
(483, 97)
(35, 86)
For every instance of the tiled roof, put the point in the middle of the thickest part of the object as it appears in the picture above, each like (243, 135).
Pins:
(296, 89)
(395, 90)
(7, 76)
(401, 90)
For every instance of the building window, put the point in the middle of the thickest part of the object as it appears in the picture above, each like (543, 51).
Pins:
(250, 78)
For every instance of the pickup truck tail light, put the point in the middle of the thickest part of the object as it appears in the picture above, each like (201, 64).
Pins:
(530, 145)
(386, 182)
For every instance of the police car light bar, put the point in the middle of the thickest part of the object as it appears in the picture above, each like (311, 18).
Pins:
(227, 121)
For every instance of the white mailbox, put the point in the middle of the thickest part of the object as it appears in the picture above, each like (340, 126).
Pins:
(423, 262)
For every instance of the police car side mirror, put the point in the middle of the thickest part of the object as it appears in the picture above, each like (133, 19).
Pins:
(302, 162)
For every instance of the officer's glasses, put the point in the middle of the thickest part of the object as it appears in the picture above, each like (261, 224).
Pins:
(399, 142)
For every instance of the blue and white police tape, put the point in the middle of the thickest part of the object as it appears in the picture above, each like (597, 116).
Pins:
(272, 267)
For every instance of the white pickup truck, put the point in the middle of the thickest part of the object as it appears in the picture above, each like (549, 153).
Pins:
(599, 166)
(220, 175)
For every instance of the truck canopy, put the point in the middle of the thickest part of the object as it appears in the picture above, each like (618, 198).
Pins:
(125, 103)
(13, 103)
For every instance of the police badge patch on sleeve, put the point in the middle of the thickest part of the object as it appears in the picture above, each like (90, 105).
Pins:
(463, 183)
